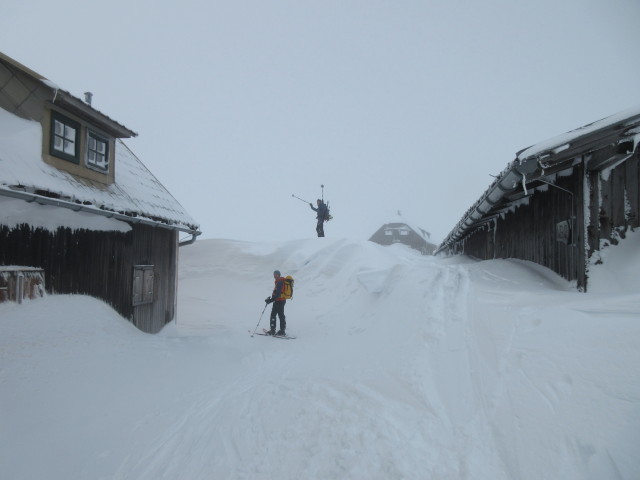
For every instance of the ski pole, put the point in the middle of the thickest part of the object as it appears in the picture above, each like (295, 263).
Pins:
(302, 200)
(322, 187)
(254, 331)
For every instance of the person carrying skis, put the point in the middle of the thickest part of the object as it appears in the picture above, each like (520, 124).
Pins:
(323, 212)
(278, 300)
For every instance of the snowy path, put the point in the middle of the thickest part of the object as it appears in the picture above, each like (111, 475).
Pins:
(405, 367)
(365, 379)
(546, 362)
(316, 406)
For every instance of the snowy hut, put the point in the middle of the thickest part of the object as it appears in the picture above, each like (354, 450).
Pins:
(559, 201)
(76, 203)
(401, 231)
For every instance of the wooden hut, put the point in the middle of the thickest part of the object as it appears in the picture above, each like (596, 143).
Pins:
(559, 200)
(400, 231)
(76, 203)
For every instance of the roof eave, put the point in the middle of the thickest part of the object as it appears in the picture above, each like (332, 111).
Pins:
(96, 210)
(74, 104)
(538, 164)
(83, 110)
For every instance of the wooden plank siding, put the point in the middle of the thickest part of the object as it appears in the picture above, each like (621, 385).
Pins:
(632, 171)
(618, 202)
(157, 247)
(528, 231)
(100, 264)
(630, 185)
(587, 178)
(106, 264)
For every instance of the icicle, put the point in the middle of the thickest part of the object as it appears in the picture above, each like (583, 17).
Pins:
(524, 184)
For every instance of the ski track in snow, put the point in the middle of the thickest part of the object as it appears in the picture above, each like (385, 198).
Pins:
(405, 367)
(262, 424)
(257, 432)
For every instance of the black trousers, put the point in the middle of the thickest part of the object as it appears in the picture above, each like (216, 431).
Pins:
(320, 228)
(278, 309)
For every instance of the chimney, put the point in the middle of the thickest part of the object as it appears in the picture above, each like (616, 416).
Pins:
(87, 97)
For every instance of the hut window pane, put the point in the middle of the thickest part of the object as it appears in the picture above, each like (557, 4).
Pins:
(64, 138)
(143, 279)
(97, 152)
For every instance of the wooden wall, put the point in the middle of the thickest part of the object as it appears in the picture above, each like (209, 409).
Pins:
(615, 197)
(606, 204)
(101, 264)
(529, 231)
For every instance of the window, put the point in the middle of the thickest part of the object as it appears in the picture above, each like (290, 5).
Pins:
(564, 232)
(142, 284)
(77, 141)
(65, 138)
(97, 152)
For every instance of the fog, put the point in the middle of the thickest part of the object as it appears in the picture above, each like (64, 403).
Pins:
(393, 106)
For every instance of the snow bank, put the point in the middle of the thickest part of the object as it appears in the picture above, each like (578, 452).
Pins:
(614, 270)
(405, 366)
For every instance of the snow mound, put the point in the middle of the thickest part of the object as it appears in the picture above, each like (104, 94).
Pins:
(405, 366)
(615, 269)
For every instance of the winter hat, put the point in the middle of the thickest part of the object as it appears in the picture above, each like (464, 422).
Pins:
(276, 272)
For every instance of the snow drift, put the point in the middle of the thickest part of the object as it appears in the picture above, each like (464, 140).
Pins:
(405, 366)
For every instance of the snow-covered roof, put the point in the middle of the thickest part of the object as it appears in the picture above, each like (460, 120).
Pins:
(66, 100)
(136, 195)
(535, 161)
(560, 143)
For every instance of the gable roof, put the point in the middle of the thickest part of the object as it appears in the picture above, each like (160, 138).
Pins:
(136, 195)
(23, 87)
(401, 222)
(544, 160)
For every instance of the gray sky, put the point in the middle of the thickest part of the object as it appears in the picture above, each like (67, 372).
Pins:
(392, 105)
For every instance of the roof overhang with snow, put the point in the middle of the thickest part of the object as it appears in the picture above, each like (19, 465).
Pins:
(135, 196)
(540, 163)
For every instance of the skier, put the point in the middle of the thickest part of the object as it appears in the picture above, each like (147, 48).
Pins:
(323, 213)
(278, 300)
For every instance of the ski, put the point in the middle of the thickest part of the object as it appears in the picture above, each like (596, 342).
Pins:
(284, 337)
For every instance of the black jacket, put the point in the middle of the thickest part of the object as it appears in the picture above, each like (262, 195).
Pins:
(322, 211)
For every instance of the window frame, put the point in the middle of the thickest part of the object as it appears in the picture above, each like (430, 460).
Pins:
(92, 134)
(142, 291)
(66, 122)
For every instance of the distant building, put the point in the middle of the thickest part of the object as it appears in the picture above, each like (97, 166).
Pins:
(400, 231)
(559, 201)
(79, 212)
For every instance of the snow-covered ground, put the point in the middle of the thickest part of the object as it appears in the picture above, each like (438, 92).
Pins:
(405, 367)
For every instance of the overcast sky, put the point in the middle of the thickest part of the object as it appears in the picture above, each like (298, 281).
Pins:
(391, 105)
